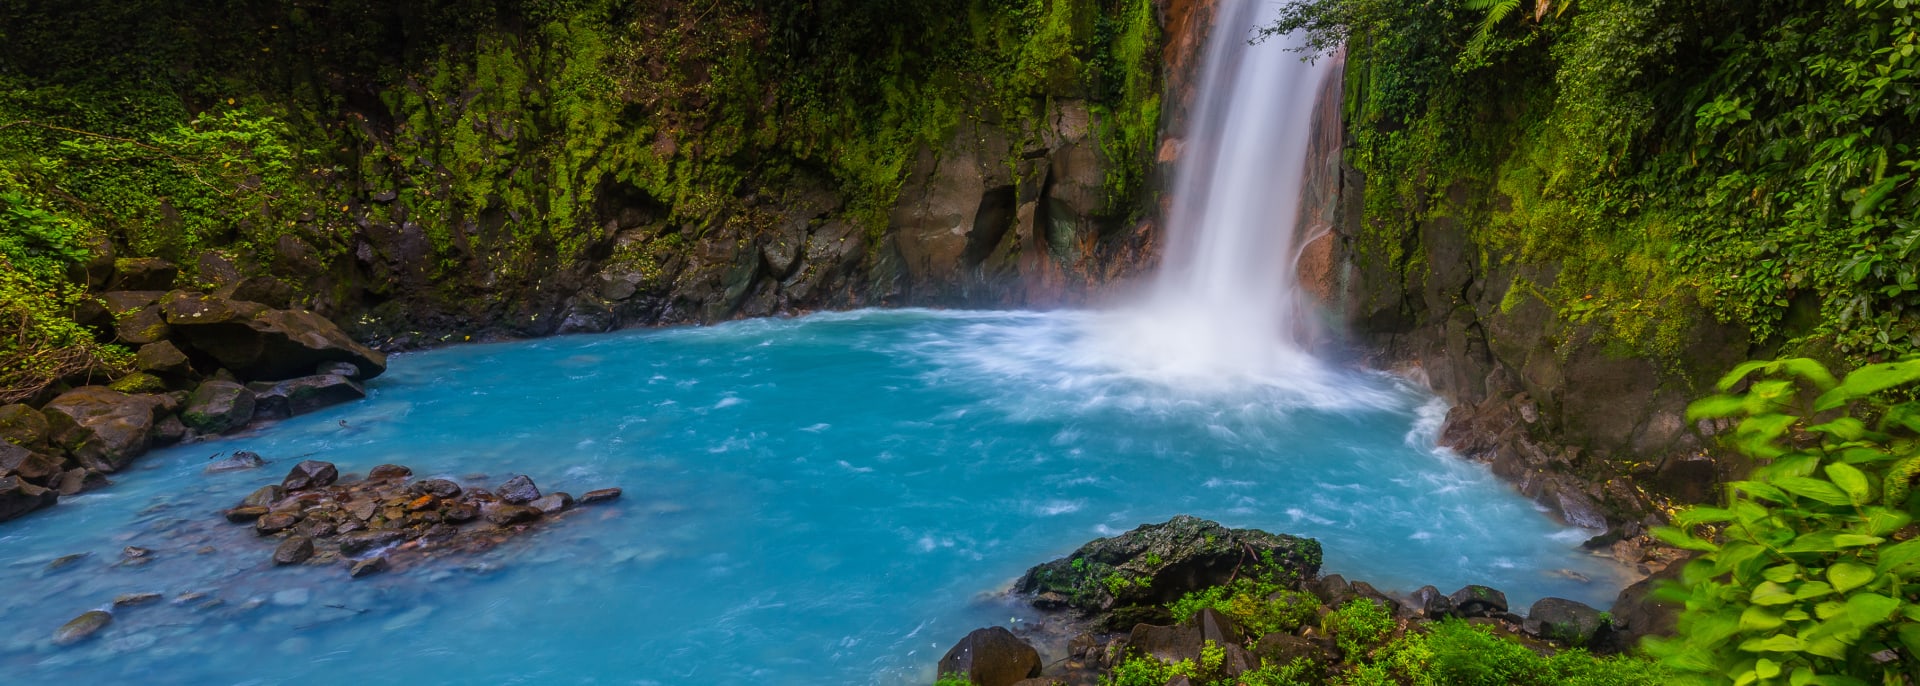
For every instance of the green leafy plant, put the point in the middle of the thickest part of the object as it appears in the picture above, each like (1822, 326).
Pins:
(1359, 625)
(1806, 571)
(953, 679)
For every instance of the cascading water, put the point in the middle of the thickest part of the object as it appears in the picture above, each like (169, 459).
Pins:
(1226, 303)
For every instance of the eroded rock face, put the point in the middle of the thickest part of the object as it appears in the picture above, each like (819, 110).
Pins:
(1129, 577)
(258, 342)
(17, 497)
(992, 657)
(102, 428)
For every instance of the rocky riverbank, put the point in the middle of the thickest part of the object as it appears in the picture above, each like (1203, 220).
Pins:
(1231, 602)
(208, 362)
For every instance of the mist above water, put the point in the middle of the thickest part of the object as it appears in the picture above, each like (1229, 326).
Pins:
(1226, 306)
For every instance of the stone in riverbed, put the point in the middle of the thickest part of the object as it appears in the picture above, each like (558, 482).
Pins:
(132, 599)
(82, 627)
(552, 503)
(600, 496)
(293, 551)
(310, 474)
(438, 488)
(17, 497)
(362, 541)
(505, 514)
(368, 567)
(306, 394)
(245, 513)
(265, 496)
(518, 490)
(392, 471)
(241, 460)
(218, 407)
(275, 522)
(263, 343)
(992, 657)
(460, 512)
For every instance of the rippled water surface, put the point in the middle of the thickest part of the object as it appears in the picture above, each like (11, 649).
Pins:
(824, 500)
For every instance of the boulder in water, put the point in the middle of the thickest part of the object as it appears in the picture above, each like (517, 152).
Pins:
(310, 474)
(518, 490)
(295, 397)
(601, 495)
(293, 551)
(992, 657)
(258, 342)
(240, 461)
(219, 407)
(552, 503)
(82, 627)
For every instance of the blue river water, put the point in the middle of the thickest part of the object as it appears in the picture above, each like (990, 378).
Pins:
(832, 499)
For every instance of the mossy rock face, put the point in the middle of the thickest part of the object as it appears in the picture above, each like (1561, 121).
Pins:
(1130, 577)
(139, 382)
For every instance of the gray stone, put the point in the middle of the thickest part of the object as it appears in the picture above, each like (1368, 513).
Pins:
(22, 425)
(438, 488)
(518, 490)
(505, 514)
(367, 567)
(132, 599)
(258, 342)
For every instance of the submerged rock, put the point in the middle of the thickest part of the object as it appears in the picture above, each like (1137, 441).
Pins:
(992, 657)
(601, 495)
(131, 599)
(240, 461)
(82, 627)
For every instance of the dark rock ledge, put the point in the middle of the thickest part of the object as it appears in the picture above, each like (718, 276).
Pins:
(1106, 602)
(206, 364)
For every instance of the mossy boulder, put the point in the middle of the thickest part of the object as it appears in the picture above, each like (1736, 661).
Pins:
(261, 343)
(219, 407)
(1131, 577)
(102, 428)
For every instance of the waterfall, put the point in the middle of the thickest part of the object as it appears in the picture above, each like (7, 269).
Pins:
(1226, 302)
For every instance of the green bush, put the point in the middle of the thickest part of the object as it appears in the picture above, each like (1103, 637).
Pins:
(1260, 605)
(1803, 575)
(1359, 625)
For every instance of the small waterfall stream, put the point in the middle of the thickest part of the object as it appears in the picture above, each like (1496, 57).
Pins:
(1226, 304)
